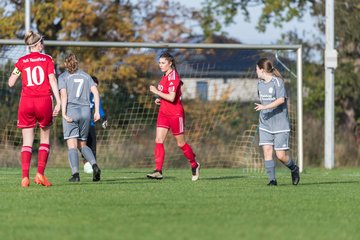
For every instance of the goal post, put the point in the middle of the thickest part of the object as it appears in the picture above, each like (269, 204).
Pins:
(218, 95)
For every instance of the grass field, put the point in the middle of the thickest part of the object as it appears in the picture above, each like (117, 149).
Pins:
(223, 204)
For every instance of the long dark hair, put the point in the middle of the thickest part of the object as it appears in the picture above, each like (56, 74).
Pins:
(268, 66)
(171, 59)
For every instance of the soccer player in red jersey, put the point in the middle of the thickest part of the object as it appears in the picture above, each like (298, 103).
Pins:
(170, 116)
(38, 85)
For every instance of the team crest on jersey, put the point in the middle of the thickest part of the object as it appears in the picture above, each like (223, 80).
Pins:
(271, 90)
(160, 87)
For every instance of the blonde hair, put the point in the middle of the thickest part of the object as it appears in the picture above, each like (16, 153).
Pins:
(32, 38)
(268, 66)
(71, 63)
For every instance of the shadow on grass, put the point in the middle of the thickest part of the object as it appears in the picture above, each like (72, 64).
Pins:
(329, 183)
(221, 177)
(322, 183)
(121, 180)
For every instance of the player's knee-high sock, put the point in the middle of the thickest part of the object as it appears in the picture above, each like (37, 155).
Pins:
(43, 155)
(73, 160)
(291, 165)
(26, 152)
(159, 154)
(189, 154)
(270, 169)
(88, 155)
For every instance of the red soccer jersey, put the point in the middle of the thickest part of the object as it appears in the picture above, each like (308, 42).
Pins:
(171, 83)
(35, 69)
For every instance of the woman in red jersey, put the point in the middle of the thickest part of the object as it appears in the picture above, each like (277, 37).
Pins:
(171, 116)
(35, 106)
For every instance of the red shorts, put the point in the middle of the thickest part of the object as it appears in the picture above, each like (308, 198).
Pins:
(32, 109)
(175, 123)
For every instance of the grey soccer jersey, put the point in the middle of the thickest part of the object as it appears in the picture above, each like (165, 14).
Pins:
(77, 86)
(275, 120)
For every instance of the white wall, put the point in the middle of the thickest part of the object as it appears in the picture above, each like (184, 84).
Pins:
(234, 89)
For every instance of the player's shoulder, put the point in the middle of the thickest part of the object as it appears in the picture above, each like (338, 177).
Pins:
(47, 56)
(83, 73)
(277, 81)
(63, 75)
(22, 58)
(173, 75)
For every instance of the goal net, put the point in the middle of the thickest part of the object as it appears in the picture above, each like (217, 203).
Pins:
(219, 92)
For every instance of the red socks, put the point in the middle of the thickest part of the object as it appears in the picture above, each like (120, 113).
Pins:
(189, 154)
(26, 152)
(159, 154)
(43, 155)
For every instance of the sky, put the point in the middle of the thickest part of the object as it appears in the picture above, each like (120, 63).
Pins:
(247, 33)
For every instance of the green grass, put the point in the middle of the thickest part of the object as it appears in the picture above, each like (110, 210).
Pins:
(223, 204)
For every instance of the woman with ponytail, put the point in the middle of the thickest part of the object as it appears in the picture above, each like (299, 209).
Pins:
(274, 124)
(171, 116)
(35, 107)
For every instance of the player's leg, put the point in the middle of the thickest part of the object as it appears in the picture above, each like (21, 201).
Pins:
(281, 146)
(26, 153)
(27, 122)
(71, 134)
(43, 113)
(89, 156)
(159, 152)
(266, 140)
(162, 128)
(91, 143)
(84, 125)
(73, 159)
(177, 127)
(190, 155)
(44, 149)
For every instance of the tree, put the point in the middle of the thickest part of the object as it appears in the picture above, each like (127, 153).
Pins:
(278, 12)
(218, 13)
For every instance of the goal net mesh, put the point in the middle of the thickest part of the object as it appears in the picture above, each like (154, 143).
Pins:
(219, 92)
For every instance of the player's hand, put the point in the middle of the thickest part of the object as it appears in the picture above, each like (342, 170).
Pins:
(157, 101)
(153, 89)
(104, 124)
(259, 107)
(96, 116)
(67, 118)
(56, 110)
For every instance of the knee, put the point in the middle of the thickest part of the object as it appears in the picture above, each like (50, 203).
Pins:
(159, 140)
(281, 156)
(181, 144)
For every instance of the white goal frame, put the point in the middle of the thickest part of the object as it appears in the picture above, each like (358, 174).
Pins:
(297, 48)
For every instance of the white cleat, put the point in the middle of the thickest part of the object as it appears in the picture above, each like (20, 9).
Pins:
(195, 172)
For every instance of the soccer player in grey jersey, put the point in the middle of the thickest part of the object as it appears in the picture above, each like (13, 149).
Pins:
(75, 87)
(274, 126)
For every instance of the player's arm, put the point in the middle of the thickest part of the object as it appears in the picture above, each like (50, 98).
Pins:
(274, 104)
(14, 76)
(63, 97)
(103, 117)
(95, 92)
(55, 90)
(167, 96)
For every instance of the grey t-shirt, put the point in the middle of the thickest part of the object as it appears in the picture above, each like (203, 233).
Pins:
(78, 87)
(275, 120)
